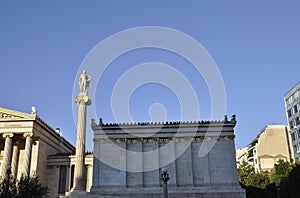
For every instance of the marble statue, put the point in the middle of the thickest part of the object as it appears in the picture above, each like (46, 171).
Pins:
(84, 81)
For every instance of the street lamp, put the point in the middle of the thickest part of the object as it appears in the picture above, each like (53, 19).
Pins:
(277, 190)
(165, 178)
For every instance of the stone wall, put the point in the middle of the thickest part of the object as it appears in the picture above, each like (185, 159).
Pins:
(192, 174)
(52, 175)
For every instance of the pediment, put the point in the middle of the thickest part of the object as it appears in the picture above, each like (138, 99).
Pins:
(12, 114)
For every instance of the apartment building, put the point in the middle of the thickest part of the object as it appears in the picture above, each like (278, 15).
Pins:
(271, 144)
(292, 106)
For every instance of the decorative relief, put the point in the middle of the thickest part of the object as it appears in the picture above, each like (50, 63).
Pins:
(5, 115)
(164, 140)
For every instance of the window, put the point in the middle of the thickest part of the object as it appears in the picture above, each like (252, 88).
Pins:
(295, 109)
(62, 179)
(289, 112)
(293, 136)
(72, 176)
(291, 125)
(297, 121)
(298, 149)
(295, 148)
(299, 133)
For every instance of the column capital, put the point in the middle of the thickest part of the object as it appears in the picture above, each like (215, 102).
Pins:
(5, 135)
(82, 97)
(27, 134)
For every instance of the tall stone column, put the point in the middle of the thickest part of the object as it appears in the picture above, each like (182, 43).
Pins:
(7, 153)
(82, 100)
(27, 157)
(15, 158)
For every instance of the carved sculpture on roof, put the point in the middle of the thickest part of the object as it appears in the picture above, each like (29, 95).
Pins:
(33, 110)
(233, 119)
(84, 81)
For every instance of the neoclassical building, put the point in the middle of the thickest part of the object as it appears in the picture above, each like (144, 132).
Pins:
(30, 146)
(200, 156)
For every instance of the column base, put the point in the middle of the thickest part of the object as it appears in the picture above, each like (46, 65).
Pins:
(75, 194)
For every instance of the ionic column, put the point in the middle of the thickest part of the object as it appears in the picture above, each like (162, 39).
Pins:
(27, 157)
(89, 176)
(7, 153)
(79, 180)
(15, 158)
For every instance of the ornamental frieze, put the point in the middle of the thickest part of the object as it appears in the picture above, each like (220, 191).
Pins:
(164, 140)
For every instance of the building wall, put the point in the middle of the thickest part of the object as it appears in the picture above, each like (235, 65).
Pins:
(52, 174)
(241, 155)
(188, 169)
(45, 141)
(271, 145)
(292, 107)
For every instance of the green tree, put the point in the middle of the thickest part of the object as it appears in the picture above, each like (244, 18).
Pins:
(8, 187)
(31, 187)
(258, 180)
(290, 187)
(26, 187)
(281, 171)
(244, 171)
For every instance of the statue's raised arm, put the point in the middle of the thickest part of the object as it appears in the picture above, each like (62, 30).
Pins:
(84, 81)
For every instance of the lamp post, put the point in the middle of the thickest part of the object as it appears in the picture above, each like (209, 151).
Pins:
(165, 178)
(277, 190)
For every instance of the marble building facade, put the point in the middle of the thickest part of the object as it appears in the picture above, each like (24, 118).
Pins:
(118, 172)
(30, 146)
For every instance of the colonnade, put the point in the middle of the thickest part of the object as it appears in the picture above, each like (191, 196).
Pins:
(11, 154)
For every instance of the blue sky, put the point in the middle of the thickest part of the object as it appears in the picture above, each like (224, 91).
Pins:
(255, 44)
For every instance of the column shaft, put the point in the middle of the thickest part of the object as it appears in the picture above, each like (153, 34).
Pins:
(15, 159)
(7, 153)
(27, 157)
(79, 183)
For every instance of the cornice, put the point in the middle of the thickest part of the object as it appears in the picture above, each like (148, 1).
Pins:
(169, 124)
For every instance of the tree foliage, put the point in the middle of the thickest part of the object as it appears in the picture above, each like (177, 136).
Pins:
(25, 187)
(248, 177)
(280, 172)
(284, 179)
(258, 180)
(244, 171)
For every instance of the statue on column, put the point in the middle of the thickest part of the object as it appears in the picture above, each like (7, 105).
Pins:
(83, 101)
(84, 81)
